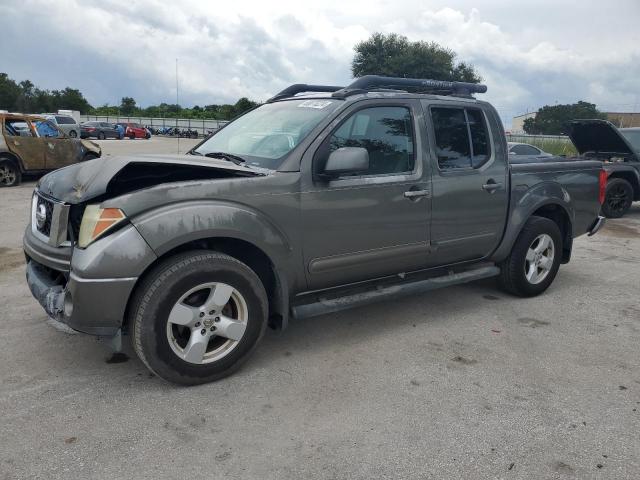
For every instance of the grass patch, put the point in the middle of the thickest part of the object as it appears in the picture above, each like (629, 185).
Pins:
(554, 145)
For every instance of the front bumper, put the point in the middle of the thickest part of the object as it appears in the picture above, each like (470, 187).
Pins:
(87, 289)
(90, 306)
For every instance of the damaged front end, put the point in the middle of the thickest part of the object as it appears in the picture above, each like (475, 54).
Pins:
(83, 260)
(48, 288)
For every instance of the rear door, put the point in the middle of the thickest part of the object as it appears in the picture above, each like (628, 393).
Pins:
(22, 141)
(375, 223)
(470, 180)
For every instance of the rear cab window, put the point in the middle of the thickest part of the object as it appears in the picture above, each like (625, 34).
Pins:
(461, 137)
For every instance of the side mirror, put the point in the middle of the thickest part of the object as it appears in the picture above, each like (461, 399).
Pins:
(346, 160)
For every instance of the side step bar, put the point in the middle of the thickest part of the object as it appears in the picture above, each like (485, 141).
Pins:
(331, 305)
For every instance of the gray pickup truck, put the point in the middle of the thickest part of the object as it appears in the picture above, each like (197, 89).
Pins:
(321, 199)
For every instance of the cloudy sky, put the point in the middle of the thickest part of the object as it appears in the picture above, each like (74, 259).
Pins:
(530, 53)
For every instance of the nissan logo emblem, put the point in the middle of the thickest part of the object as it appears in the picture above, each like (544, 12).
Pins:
(41, 215)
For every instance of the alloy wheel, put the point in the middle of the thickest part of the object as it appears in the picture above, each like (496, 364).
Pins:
(539, 260)
(7, 175)
(207, 323)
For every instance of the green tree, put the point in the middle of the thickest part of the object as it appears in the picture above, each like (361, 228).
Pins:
(127, 106)
(395, 56)
(9, 92)
(552, 119)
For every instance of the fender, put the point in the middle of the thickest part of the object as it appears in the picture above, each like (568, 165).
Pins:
(173, 225)
(522, 206)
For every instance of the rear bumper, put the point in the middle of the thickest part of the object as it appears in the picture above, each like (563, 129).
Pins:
(93, 306)
(597, 225)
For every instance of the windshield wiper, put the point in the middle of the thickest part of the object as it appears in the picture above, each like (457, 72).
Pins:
(226, 156)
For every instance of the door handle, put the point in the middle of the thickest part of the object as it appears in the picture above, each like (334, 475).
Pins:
(411, 194)
(491, 186)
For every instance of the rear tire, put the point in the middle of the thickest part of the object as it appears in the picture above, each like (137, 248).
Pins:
(165, 339)
(10, 174)
(618, 198)
(101, 136)
(534, 259)
(73, 134)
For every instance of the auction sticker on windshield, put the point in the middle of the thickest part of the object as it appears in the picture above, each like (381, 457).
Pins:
(315, 103)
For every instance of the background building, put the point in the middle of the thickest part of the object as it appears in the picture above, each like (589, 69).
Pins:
(517, 124)
(625, 119)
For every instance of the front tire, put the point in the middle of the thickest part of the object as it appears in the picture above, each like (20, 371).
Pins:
(101, 136)
(73, 134)
(534, 260)
(10, 175)
(197, 317)
(618, 198)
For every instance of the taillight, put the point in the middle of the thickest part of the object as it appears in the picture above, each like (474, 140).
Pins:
(603, 186)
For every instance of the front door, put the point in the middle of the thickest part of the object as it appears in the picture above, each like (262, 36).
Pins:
(60, 150)
(470, 183)
(375, 222)
(23, 142)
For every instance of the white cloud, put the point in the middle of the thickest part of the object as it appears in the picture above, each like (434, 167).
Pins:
(529, 55)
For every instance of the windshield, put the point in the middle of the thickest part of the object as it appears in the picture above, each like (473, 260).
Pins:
(265, 135)
(633, 137)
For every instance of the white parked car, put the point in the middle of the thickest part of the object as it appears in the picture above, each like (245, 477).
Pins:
(67, 123)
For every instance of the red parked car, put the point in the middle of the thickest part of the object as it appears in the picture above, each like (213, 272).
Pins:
(135, 130)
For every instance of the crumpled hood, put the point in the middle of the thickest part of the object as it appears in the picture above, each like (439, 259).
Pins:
(599, 136)
(84, 181)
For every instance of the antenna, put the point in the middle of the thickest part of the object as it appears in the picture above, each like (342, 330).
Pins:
(177, 108)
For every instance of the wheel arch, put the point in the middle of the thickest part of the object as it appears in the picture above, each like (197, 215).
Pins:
(629, 176)
(14, 158)
(275, 283)
(549, 200)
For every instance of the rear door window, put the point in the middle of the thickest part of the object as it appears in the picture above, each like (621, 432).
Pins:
(461, 137)
(17, 128)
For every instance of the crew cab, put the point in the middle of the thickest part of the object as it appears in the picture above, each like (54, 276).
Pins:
(31, 144)
(321, 199)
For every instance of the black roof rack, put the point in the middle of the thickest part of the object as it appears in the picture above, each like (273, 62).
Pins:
(303, 87)
(370, 83)
(415, 85)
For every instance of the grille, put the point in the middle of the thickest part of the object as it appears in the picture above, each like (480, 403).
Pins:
(45, 228)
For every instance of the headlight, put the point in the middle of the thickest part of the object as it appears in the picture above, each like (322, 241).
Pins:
(96, 221)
